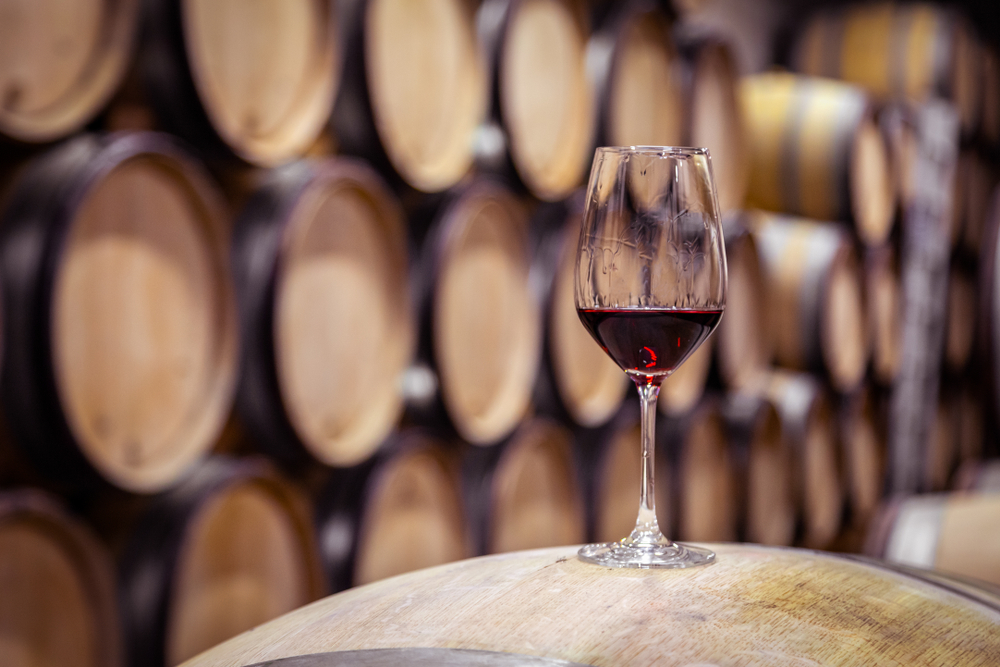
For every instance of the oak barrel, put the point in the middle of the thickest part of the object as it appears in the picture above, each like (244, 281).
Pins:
(120, 325)
(896, 50)
(255, 80)
(320, 264)
(960, 325)
(58, 605)
(542, 113)
(816, 304)
(577, 379)
(755, 606)
(941, 455)
(816, 151)
(884, 304)
(414, 88)
(636, 75)
(399, 512)
(863, 450)
(955, 533)
(480, 329)
(60, 62)
(682, 389)
(229, 548)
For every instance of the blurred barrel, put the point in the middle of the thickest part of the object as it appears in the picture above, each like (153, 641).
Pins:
(636, 76)
(229, 548)
(989, 307)
(542, 109)
(714, 117)
(894, 50)
(402, 511)
(941, 456)
(413, 89)
(807, 421)
(990, 129)
(742, 343)
(960, 325)
(120, 326)
(525, 493)
(816, 305)
(975, 182)
(884, 305)
(320, 264)
(252, 79)
(60, 62)
(480, 329)
(764, 466)
(804, 608)
(863, 449)
(58, 605)
(576, 378)
(816, 151)
(954, 533)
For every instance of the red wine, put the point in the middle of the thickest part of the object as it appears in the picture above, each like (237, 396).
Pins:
(649, 342)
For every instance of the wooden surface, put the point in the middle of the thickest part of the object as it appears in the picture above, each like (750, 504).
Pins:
(755, 606)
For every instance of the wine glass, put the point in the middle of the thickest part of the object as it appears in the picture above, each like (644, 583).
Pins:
(650, 288)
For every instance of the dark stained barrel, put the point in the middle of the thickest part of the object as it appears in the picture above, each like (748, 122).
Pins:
(320, 264)
(60, 62)
(120, 324)
(255, 80)
(58, 605)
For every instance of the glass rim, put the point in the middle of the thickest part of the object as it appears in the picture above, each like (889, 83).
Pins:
(665, 151)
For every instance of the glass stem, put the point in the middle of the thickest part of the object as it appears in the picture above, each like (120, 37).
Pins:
(647, 529)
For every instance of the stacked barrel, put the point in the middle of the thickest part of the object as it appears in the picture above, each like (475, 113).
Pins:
(295, 311)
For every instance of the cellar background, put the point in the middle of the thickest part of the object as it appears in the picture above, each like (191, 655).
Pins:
(285, 346)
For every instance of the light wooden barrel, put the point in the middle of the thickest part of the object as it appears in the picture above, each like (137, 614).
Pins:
(764, 464)
(60, 62)
(714, 116)
(576, 379)
(58, 605)
(229, 548)
(414, 88)
(320, 264)
(636, 76)
(816, 304)
(400, 512)
(480, 329)
(955, 533)
(807, 421)
(525, 493)
(863, 451)
(121, 329)
(256, 80)
(961, 322)
(894, 50)
(542, 109)
(755, 606)
(816, 151)
(884, 305)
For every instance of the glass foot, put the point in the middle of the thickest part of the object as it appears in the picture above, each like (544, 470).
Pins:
(666, 555)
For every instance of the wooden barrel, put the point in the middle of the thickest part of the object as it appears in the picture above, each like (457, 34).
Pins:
(863, 449)
(990, 115)
(480, 329)
(884, 305)
(120, 325)
(807, 421)
(896, 50)
(754, 606)
(320, 263)
(60, 62)
(229, 548)
(58, 605)
(989, 306)
(976, 179)
(816, 151)
(542, 109)
(954, 533)
(401, 511)
(816, 308)
(960, 325)
(941, 456)
(971, 421)
(525, 494)
(682, 390)
(714, 117)
(255, 80)
(766, 500)
(637, 79)
(577, 379)
(414, 88)
(742, 343)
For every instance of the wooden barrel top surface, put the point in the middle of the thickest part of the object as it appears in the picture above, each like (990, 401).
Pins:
(754, 606)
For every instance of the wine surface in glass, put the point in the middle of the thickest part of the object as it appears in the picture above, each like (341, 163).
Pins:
(649, 342)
